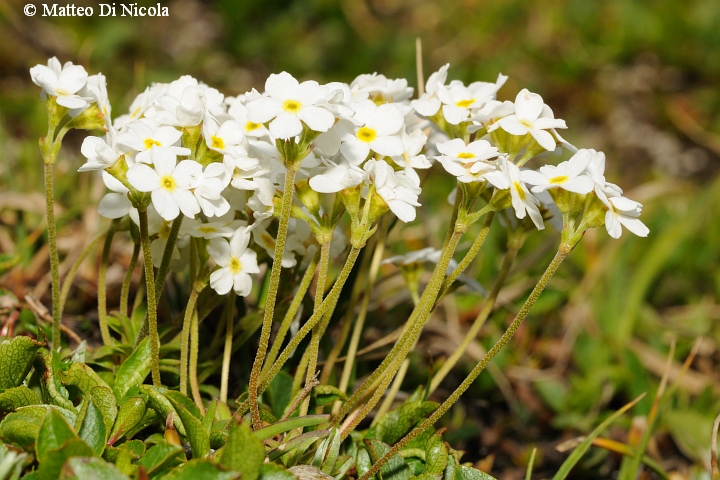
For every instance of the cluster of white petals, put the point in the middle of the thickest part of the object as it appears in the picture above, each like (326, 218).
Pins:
(190, 152)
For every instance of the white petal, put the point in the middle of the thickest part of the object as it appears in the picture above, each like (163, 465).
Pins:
(143, 178)
(164, 160)
(164, 204)
(114, 205)
(635, 226)
(221, 281)
(281, 85)
(545, 139)
(219, 250)
(242, 284)
(389, 146)
(528, 105)
(355, 151)
(512, 125)
(263, 109)
(386, 120)
(612, 224)
(317, 118)
(285, 125)
(239, 242)
(581, 184)
(186, 201)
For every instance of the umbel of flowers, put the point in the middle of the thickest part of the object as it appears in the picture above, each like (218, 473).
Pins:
(220, 184)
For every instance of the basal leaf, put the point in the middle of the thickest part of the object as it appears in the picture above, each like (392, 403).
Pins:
(201, 470)
(468, 473)
(327, 394)
(16, 397)
(47, 365)
(196, 434)
(279, 393)
(185, 401)
(291, 424)
(16, 357)
(92, 428)
(395, 469)
(54, 432)
(105, 401)
(435, 455)
(272, 471)
(134, 369)
(243, 452)
(90, 468)
(397, 423)
(162, 405)
(209, 417)
(21, 427)
(52, 464)
(160, 458)
(129, 414)
(83, 377)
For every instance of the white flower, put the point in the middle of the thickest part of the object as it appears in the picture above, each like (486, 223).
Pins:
(226, 138)
(625, 212)
(413, 144)
(222, 228)
(95, 91)
(522, 200)
(458, 100)
(380, 89)
(293, 244)
(61, 82)
(185, 103)
(236, 262)
(141, 104)
(378, 133)
(467, 162)
(398, 190)
(528, 119)
(237, 110)
(568, 175)
(115, 204)
(429, 103)
(338, 176)
(169, 183)
(99, 154)
(288, 103)
(209, 185)
(141, 136)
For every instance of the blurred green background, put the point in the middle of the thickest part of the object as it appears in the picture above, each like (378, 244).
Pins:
(636, 79)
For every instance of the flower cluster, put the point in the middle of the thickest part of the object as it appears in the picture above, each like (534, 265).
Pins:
(185, 151)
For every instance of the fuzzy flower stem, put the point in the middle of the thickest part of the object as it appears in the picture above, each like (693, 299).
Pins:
(479, 320)
(167, 255)
(319, 329)
(360, 320)
(102, 285)
(227, 352)
(271, 296)
(125, 290)
(151, 298)
(414, 326)
(70, 276)
(504, 339)
(190, 310)
(290, 315)
(194, 350)
(54, 260)
(469, 256)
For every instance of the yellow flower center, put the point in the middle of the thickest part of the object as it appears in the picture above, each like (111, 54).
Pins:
(465, 103)
(61, 93)
(235, 265)
(149, 143)
(559, 180)
(268, 240)
(465, 155)
(366, 134)
(292, 106)
(250, 126)
(526, 124)
(217, 142)
(207, 229)
(168, 183)
(519, 190)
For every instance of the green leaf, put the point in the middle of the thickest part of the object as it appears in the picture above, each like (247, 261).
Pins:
(21, 427)
(16, 397)
(16, 357)
(92, 427)
(209, 417)
(162, 405)
(48, 366)
(397, 423)
(160, 458)
(90, 468)
(199, 438)
(272, 471)
(301, 442)
(201, 470)
(435, 455)
(580, 450)
(468, 473)
(279, 393)
(690, 430)
(105, 401)
(53, 433)
(394, 469)
(134, 369)
(83, 377)
(308, 472)
(185, 401)
(52, 464)
(130, 413)
(291, 424)
(243, 452)
(11, 463)
(327, 394)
